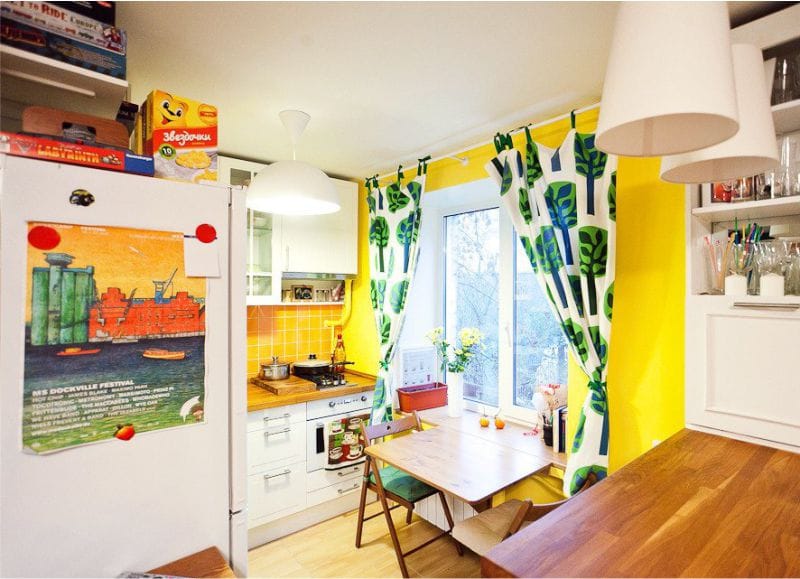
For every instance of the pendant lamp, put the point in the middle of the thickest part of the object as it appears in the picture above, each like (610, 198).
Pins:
(293, 187)
(753, 149)
(669, 81)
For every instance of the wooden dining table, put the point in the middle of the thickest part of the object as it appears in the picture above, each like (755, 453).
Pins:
(462, 465)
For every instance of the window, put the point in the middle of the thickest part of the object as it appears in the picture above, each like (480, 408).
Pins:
(540, 349)
(488, 283)
(472, 249)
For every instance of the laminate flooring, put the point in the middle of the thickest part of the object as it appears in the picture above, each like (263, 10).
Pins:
(328, 550)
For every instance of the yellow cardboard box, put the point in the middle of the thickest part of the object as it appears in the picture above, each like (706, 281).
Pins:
(181, 135)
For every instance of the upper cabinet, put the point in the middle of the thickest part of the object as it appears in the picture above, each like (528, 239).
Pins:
(323, 243)
(304, 246)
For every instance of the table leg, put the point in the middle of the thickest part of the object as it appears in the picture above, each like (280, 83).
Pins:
(483, 505)
(395, 541)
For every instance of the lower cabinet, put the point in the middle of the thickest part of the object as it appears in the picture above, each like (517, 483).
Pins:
(742, 366)
(282, 496)
(276, 492)
(327, 485)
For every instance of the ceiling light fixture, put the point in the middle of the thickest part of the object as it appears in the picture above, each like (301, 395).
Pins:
(753, 149)
(293, 187)
(669, 82)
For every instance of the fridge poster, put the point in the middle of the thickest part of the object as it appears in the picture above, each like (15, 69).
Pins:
(114, 336)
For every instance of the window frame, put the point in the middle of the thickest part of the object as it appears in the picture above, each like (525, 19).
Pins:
(507, 303)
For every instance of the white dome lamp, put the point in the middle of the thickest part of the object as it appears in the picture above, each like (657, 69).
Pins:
(752, 150)
(293, 187)
(669, 81)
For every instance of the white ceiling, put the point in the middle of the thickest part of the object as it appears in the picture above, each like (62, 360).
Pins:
(384, 82)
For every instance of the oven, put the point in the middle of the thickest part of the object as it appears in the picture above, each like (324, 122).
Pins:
(335, 431)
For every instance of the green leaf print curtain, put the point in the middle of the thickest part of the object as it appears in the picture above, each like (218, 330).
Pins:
(563, 205)
(395, 216)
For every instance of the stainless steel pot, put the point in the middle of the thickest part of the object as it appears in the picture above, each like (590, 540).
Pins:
(274, 371)
(311, 367)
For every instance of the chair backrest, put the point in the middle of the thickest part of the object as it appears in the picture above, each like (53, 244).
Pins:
(537, 510)
(374, 431)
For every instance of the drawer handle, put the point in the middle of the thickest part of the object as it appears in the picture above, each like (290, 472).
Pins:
(340, 473)
(766, 306)
(351, 489)
(284, 473)
(284, 431)
(268, 418)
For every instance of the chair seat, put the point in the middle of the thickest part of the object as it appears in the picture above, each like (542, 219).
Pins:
(403, 484)
(487, 529)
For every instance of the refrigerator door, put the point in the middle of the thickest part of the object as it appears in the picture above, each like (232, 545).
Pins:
(105, 508)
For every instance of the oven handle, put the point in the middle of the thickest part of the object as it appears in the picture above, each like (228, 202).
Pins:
(320, 431)
(356, 486)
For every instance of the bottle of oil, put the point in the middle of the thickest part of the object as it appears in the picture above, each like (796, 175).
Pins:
(339, 355)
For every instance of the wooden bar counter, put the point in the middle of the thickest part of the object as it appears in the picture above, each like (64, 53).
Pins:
(697, 505)
(259, 398)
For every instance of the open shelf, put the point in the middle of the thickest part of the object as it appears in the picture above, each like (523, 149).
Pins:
(786, 117)
(780, 207)
(32, 79)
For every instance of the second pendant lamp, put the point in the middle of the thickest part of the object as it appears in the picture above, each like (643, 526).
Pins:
(293, 187)
(753, 149)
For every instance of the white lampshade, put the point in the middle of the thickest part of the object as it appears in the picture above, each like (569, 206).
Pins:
(292, 188)
(752, 150)
(669, 81)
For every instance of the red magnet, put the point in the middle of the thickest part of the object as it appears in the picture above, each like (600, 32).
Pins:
(205, 233)
(43, 237)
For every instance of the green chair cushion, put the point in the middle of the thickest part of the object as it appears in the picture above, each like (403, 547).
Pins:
(403, 484)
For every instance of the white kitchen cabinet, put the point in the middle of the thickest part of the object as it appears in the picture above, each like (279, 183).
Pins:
(275, 492)
(276, 444)
(263, 236)
(311, 245)
(741, 352)
(321, 244)
(741, 359)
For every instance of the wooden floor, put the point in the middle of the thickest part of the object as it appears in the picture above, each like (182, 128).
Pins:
(328, 550)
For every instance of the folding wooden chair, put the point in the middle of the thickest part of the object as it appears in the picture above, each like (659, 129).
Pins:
(489, 528)
(392, 484)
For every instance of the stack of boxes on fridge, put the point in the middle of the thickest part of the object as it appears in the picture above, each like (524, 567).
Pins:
(71, 32)
(181, 136)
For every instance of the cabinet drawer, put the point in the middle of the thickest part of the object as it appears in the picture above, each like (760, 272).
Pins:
(275, 417)
(342, 489)
(284, 444)
(275, 493)
(324, 478)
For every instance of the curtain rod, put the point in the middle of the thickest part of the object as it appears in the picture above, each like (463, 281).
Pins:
(454, 155)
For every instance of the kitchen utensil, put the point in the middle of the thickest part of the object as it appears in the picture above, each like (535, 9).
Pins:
(291, 385)
(274, 371)
(311, 366)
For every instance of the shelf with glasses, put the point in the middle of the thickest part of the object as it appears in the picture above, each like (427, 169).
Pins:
(786, 117)
(717, 212)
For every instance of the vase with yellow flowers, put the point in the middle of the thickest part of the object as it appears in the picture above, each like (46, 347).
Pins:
(454, 360)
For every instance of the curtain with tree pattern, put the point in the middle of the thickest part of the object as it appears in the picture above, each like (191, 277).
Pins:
(395, 216)
(562, 203)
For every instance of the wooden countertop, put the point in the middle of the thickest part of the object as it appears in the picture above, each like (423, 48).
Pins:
(697, 505)
(259, 398)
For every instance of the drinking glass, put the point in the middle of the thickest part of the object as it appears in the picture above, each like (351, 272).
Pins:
(740, 264)
(786, 83)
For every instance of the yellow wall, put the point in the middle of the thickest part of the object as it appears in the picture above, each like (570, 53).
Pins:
(646, 357)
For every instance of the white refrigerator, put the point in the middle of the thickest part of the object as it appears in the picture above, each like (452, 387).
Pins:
(116, 505)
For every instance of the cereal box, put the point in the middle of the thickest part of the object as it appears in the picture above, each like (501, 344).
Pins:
(181, 135)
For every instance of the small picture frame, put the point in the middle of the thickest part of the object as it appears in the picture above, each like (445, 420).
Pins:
(733, 191)
(302, 293)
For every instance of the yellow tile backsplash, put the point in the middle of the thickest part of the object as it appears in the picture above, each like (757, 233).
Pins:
(290, 332)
